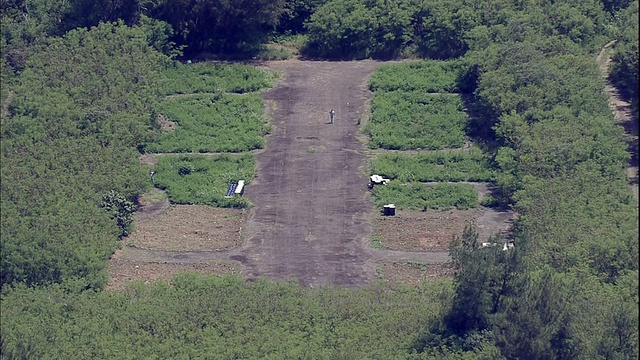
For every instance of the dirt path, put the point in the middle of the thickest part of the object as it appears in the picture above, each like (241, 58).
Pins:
(623, 114)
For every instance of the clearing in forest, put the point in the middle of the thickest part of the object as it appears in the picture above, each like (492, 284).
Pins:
(312, 218)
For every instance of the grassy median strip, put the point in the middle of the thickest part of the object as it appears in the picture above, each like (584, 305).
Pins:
(472, 165)
(418, 196)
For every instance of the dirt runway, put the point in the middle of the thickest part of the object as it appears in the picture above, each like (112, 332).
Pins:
(310, 219)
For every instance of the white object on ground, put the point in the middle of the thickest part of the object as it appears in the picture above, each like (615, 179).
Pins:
(240, 187)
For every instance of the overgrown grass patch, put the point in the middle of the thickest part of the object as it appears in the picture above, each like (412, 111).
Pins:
(274, 52)
(418, 196)
(209, 77)
(207, 123)
(472, 165)
(281, 47)
(431, 76)
(414, 120)
(203, 179)
(155, 196)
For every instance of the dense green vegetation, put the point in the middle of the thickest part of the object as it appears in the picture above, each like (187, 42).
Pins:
(415, 120)
(203, 179)
(78, 105)
(442, 29)
(212, 123)
(75, 121)
(209, 113)
(221, 317)
(386, 29)
(472, 165)
(560, 158)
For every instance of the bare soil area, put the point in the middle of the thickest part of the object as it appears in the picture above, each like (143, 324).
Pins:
(310, 221)
(122, 272)
(411, 274)
(189, 228)
(434, 230)
(420, 231)
(165, 123)
(151, 205)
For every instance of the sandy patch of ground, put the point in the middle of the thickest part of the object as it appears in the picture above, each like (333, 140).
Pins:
(148, 159)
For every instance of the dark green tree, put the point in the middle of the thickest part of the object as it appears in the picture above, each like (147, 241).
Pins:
(220, 27)
(89, 13)
(614, 5)
(359, 29)
(120, 209)
(484, 276)
(537, 322)
(296, 14)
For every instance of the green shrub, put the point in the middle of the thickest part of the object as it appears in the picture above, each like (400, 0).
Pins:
(417, 196)
(489, 201)
(350, 29)
(120, 209)
(203, 179)
(271, 52)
